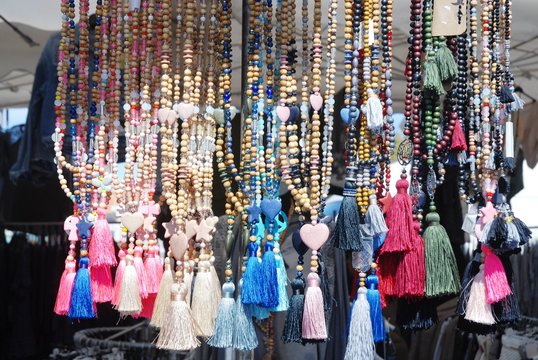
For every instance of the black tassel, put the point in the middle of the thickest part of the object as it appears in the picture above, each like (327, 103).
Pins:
(294, 318)
(416, 315)
(506, 96)
(525, 234)
(347, 230)
(475, 328)
(324, 285)
(498, 233)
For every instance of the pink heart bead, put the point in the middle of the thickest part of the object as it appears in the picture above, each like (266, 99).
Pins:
(283, 113)
(314, 236)
(178, 245)
(316, 101)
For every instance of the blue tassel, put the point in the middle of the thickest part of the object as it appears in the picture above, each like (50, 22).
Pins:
(244, 337)
(252, 278)
(376, 315)
(224, 324)
(270, 281)
(82, 306)
(347, 230)
(282, 278)
(257, 312)
(379, 239)
(294, 318)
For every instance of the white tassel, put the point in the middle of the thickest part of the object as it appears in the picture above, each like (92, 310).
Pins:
(187, 280)
(163, 296)
(375, 218)
(178, 331)
(518, 103)
(509, 140)
(478, 309)
(129, 302)
(203, 309)
(360, 343)
(373, 111)
(216, 289)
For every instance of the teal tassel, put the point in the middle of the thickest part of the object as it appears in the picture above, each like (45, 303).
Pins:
(282, 277)
(376, 315)
(257, 311)
(252, 278)
(270, 281)
(223, 335)
(82, 306)
(244, 333)
(442, 276)
(347, 230)
(448, 69)
(432, 80)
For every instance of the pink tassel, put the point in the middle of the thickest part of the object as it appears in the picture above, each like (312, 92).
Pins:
(399, 221)
(458, 138)
(314, 327)
(497, 287)
(63, 299)
(140, 272)
(410, 275)
(101, 251)
(154, 271)
(118, 279)
(101, 283)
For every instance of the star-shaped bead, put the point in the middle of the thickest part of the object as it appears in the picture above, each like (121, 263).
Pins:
(385, 202)
(148, 223)
(487, 214)
(83, 228)
(204, 231)
(254, 213)
(170, 228)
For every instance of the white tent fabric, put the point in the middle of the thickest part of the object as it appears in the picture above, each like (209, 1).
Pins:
(18, 59)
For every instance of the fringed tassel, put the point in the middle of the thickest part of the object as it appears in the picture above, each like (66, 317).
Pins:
(245, 338)
(518, 103)
(252, 278)
(102, 285)
(140, 272)
(346, 232)
(400, 221)
(313, 327)
(257, 312)
(416, 314)
(410, 274)
(223, 334)
(178, 331)
(513, 240)
(374, 217)
(101, 251)
(294, 318)
(163, 295)
(202, 311)
(496, 283)
(216, 287)
(187, 281)
(360, 342)
(373, 111)
(376, 315)
(387, 267)
(432, 79)
(147, 307)
(270, 280)
(442, 276)
(509, 146)
(324, 285)
(525, 234)
(478, 310)
(82, 306)
(448, 69)
(153, 270)
(282, 279)
(63, 299)
(129, 301)
(475, 328)
(468, 276)
(497, 234)
(458, 142)
(119, 278)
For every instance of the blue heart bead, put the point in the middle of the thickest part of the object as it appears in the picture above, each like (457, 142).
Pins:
(294, 113)
(344, 114)
(271, 208)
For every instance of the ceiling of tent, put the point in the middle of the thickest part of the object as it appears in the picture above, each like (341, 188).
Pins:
(18, 59)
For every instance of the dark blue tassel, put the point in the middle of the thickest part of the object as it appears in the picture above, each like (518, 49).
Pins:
(498, 233)
(376, 315)
(82, 306)
(347, 231)
(471, 270)
(252, 278)
(416, 315)
(324, 285)
(506, 96)
(270, 280)
(525, 234)
(475, 328)
(294, 318)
